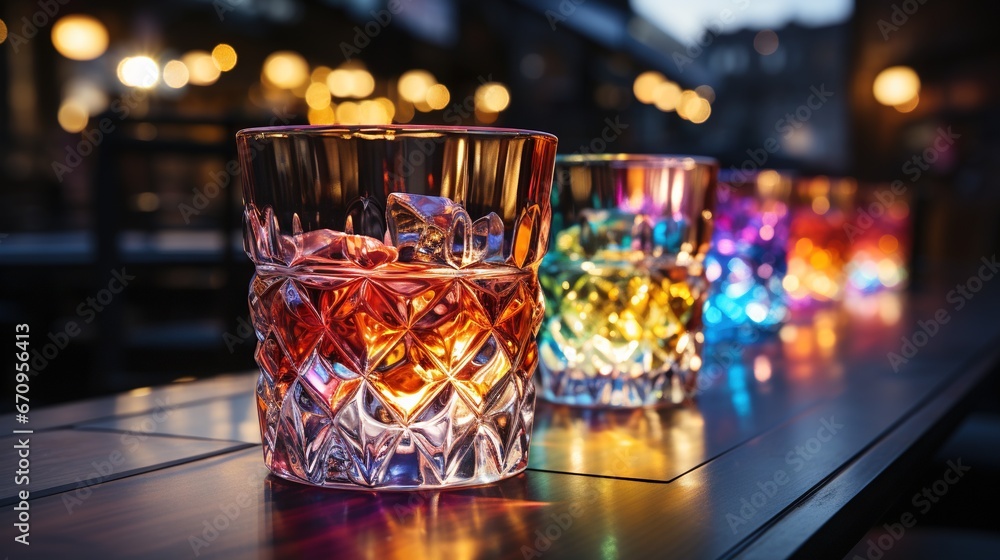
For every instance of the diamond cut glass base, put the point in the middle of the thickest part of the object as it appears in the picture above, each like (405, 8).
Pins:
(398, 380)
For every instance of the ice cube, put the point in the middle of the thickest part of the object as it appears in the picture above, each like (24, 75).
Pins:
(430, 229)
(487, 239)
(313, 246)
(367, 252)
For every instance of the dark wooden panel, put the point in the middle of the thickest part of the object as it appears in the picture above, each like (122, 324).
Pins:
(233, 418)
(134, 402)
(68, 459)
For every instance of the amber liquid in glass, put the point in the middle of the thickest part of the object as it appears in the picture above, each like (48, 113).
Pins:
(408, 375)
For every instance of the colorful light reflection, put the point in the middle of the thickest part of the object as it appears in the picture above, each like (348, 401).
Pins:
(748, 261)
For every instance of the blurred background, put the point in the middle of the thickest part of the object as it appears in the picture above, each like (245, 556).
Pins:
(120, 207)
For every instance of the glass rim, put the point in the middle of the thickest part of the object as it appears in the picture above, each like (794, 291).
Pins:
(637, 160)
(398, 130)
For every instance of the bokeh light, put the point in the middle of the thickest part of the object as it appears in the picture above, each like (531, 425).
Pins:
(372, 112)
(645, 86)
(706, 92)
(318, 96)
(765, 42)
(79, 37)
(909, 105)
(176, 74)
(224, 57)
(438, 96)
(413, 85)
(87, 93)
(492, 97)
(666, 96)
(896, 85)
(348, 112)
(201, 68)
(390, 109)
(286, 69)
(72, 116)
(326, 115)
(138, 71)
(3, 31)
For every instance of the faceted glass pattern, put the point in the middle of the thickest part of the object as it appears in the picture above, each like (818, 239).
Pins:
(749, 256)
(624, 279)
(397, 345)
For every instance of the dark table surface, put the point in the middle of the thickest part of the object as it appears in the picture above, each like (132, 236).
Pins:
(794, 445)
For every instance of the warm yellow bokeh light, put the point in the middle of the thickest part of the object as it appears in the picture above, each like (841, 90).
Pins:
(201, 67)
(372, 112)
(3, 31)
(686, 103)
(645, 86)
(413, 85)
(320, 73)
(80, 37)
(699, 111)
(326, 115)
(492, 97)
(318, 95)
(138, 71)
(821, 205)
(340, 82)
(87, 93)
(484, 117)
(348, 112)
(404, 112)
(387, 105)
(286, 69)
(438, 96)
(666, 96)
(72, 116)
(362, 84)
(176, 74)
(224, 57)
(896, 85)
(423, 106)
(909, 105)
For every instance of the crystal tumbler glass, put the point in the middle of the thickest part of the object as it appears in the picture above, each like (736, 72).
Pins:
(624, 279)
(749, 255)
(822, 208)
(396, 300)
